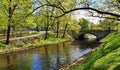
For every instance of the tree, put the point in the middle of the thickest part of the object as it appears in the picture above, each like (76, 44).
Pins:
(14, 10)
(108, 24)
(84, 24)
(20, 12)
(100, 7)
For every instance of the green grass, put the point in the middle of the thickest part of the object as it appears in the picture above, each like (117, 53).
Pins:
(2, 45)
(31, 42)
(107, 57)
(51, 39)
(47, 41)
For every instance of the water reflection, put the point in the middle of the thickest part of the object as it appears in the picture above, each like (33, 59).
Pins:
(8, 60)
(36, 62)
(67, 54)
(46, 58)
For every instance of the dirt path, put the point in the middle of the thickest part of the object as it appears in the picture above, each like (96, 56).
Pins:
(25, 37)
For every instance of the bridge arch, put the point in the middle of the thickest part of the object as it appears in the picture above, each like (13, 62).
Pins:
(82, 36)
(98, 33)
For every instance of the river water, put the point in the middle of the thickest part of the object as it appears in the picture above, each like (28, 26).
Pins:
(46, 58)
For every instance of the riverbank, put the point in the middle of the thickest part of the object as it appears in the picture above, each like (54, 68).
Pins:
(33, 46)
(77, 61)
(36, 41)
(106, 57)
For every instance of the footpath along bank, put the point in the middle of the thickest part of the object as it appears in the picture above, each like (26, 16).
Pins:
(30, 42)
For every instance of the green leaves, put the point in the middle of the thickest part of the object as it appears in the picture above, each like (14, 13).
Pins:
(107, 24)
(84, 24)
(106, 57)
(2, 45)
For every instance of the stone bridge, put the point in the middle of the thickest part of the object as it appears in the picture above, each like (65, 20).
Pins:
(98, 33)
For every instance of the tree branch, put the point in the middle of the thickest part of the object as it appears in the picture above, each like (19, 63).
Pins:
(52, 5)
(75, 9)
(89, 8)
(35, 10)
(103, 16)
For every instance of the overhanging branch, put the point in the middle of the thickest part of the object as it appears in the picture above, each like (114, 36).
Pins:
(35, 10)
(92, 15)
(89, 8)
(75, 9)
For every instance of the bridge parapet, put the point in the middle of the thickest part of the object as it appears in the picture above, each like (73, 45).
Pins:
(98, 33)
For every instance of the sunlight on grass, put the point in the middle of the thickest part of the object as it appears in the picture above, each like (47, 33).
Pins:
(107, 57)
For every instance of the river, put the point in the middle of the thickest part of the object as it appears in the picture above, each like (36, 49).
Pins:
(46, 58)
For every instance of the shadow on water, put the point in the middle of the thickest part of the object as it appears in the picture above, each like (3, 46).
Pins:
(48, 57)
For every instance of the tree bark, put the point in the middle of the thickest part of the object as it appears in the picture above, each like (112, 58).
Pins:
(65, 30)
(46, 28)
(9, 21)
(57, 35)
(89, 8)
(8, 34)
(46, 34)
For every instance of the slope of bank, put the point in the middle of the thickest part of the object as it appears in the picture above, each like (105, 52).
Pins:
(106, 57)
(20, 44)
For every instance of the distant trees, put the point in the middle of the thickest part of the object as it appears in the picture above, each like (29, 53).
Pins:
(96, 8)
(84, 24)
(49, 14)
(14, 13)
(108, 24)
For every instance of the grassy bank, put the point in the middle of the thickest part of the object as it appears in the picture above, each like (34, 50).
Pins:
(106, 57)
(32, 42)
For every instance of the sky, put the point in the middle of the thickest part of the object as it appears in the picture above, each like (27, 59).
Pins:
(82, 14)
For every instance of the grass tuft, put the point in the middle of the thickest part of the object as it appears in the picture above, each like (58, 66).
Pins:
(107, 57)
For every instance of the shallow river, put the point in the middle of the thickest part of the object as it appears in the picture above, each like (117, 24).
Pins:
(46, 58)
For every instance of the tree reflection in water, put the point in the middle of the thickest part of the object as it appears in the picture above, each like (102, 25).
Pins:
(50, 57)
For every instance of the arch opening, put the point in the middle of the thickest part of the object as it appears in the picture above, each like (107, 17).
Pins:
(87, 36)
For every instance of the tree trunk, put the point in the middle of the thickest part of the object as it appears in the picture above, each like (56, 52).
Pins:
(65, 30)
(8, 34)
(9, 21)
(46, 34)
(46, 28)
(37, 28)
(57, 35)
